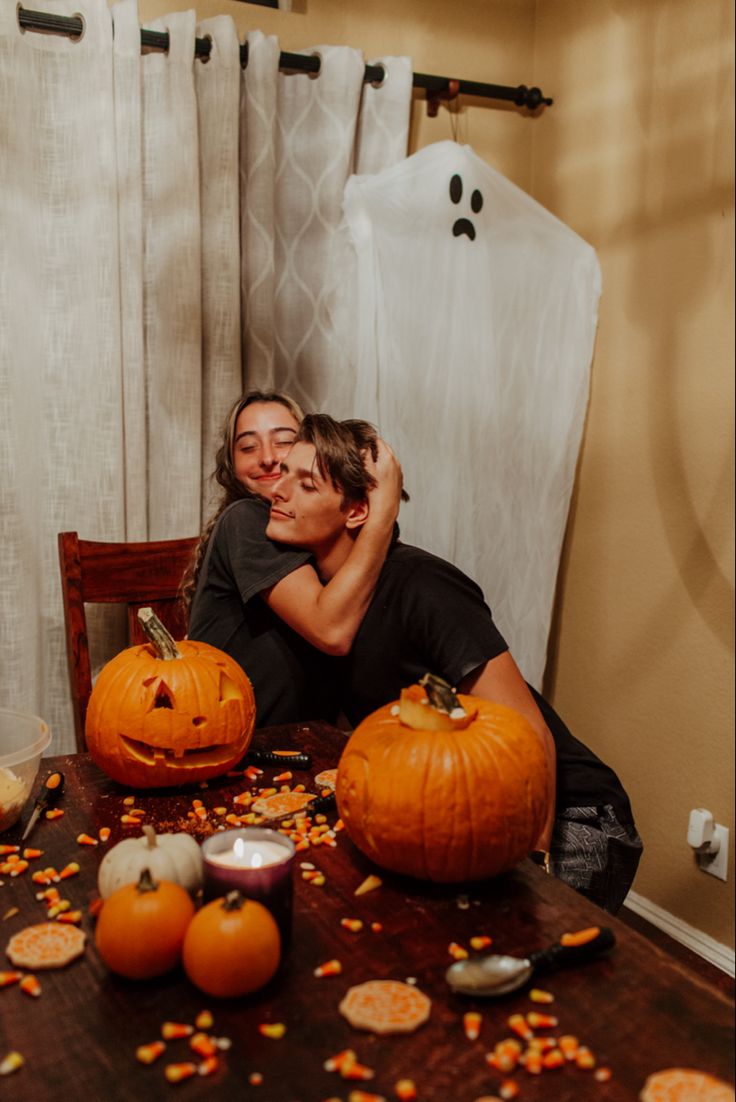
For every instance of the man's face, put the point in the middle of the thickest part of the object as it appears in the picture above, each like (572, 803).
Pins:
(306, 509)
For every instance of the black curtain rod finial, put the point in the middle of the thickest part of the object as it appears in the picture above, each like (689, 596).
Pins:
(531, 98)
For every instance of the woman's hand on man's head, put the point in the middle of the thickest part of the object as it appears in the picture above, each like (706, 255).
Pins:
(386, 496)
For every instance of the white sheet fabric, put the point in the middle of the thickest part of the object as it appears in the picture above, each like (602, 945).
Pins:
(468, 324)
(301, 137)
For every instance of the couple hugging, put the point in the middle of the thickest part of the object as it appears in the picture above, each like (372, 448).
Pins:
(300, 576)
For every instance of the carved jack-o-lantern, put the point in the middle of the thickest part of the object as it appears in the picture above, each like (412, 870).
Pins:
(157, 721)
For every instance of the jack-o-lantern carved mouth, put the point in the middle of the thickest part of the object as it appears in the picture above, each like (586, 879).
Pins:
(178, 756)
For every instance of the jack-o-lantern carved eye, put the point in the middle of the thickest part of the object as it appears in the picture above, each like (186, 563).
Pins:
(163, 696)
(228, 689)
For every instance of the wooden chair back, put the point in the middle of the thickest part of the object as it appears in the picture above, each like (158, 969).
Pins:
(132, 574)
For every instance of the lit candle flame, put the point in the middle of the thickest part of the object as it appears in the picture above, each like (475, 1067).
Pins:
(256, 859)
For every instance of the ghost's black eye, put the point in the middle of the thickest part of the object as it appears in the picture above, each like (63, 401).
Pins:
(456, 188)
(476, 201)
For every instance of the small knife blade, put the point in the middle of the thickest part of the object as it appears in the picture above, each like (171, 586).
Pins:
(51, 790)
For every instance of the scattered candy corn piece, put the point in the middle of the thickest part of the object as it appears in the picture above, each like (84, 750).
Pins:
(330, 968)
(171, 1031)
(30, 985)
(369, 884)
(471, 1024)
(11, 1063)
(580, 937)
(275, 1030)
(175, 1073)
(147, 1054)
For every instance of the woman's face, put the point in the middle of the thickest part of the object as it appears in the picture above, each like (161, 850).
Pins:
(264, 432)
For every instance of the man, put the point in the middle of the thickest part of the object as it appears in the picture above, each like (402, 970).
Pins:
(427, 616)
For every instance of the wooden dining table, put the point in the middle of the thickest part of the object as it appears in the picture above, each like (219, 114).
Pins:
(636, 1009)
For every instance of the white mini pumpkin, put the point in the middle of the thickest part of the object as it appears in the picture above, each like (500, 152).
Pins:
(175, 857)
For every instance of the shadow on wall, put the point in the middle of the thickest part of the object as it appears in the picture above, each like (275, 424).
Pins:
(676, 150)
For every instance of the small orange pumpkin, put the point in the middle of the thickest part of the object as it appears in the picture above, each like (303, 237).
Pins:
(448, 789)
(167, 713)
(140, 928)
(232, 947)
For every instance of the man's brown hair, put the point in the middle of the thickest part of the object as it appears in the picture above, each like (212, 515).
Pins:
(340, 448)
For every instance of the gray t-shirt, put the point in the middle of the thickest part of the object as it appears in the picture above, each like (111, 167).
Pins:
(292, 680)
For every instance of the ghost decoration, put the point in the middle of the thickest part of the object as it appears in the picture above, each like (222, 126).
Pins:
(467, 313)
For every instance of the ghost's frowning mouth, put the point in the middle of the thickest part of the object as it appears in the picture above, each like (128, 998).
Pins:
(464, 226)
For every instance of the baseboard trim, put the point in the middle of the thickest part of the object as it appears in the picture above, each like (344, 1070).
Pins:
(700, 943)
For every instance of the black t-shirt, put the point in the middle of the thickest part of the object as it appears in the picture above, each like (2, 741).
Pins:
(292, 680)
(427, 616)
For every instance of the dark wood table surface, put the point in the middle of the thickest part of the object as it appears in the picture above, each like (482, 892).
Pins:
(637, 1009)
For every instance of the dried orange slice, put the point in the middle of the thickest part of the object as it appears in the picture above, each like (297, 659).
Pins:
(283, 803)
(46, 945)
(685, 1085)
(385, 1006)
(326, 779)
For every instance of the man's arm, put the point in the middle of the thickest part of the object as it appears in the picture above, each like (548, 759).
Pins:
(328, 616)
(500, 680)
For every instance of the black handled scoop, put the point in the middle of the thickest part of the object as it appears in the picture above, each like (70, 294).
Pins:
(498, 975)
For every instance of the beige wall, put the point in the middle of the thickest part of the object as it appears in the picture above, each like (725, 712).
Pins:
(636, 156)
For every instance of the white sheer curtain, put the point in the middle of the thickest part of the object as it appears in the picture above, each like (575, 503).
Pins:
(61, 429)
(119, 317)
(468, 320)
(120, 302)
(302, 136)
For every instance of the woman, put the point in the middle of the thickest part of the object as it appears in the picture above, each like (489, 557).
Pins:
(265, 604)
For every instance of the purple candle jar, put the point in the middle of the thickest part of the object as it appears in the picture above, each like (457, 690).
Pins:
(258, 863)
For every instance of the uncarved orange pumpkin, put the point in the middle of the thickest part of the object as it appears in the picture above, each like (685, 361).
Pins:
(232, 947)
(154, 722)
(141, 927)
(461, 803)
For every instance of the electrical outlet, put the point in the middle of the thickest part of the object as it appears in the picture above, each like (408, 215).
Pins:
(716, 863)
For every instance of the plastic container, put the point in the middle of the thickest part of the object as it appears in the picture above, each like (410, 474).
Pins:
(23, 739)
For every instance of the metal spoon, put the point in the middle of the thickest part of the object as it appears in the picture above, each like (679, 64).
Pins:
(497, 975)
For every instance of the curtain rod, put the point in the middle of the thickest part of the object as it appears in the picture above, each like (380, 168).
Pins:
(73, 27)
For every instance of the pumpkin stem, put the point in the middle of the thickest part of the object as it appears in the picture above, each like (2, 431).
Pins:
(431, 705)
(233, 901)
(150, 834)
(441, 695)
(146, 883)
(158, 635)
